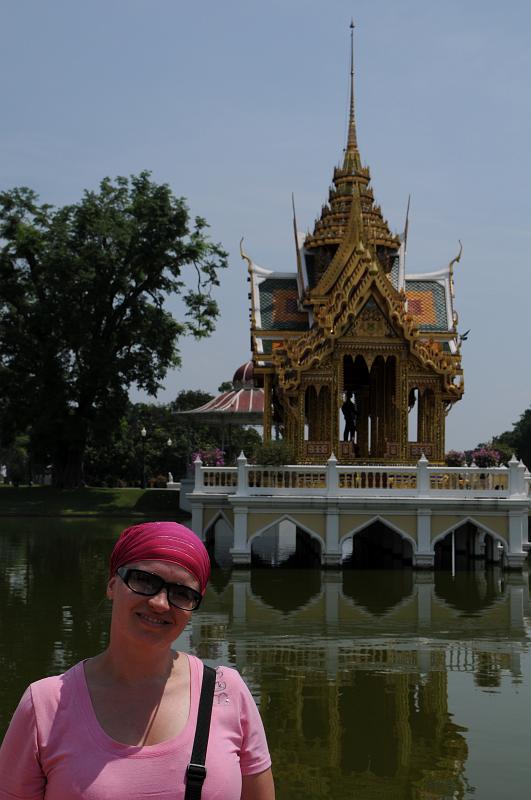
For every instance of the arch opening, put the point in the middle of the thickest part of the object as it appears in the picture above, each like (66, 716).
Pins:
(286, 545)
(472, 548)
(377, 547)
(219, 538)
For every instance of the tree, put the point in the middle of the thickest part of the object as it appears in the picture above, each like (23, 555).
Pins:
(82, 316)
(519, 439)
(16, 460)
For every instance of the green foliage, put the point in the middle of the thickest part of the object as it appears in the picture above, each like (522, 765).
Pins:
(115, 459)
(518, 440)
(82, 317)
(16, 459)
(275, 454)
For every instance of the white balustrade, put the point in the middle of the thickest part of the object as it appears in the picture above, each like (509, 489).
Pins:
(335, 480)
(216, 480)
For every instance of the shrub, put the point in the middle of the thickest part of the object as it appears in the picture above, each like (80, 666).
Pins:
(275, 454)
(486, 457)
(455, 458)
(158, 482)
(210, 458)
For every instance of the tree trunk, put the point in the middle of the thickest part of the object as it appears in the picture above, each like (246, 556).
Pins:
(68, 455)
(67, 469)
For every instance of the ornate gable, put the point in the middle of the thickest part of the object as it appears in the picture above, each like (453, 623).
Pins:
(349, 323)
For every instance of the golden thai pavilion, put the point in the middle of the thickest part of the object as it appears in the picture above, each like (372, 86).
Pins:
(350, 323)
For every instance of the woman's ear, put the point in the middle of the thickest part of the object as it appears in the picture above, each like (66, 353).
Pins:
(110, 588)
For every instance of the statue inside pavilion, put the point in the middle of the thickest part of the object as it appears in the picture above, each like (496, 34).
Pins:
(356, 357)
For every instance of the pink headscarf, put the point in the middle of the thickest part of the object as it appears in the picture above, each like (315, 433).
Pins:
(163, 541)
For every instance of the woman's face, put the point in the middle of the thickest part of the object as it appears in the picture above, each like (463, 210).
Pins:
(149, 619)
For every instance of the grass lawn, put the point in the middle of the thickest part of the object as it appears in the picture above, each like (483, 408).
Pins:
(44, 501)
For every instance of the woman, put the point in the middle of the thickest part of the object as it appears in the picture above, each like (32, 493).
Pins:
(122, 724)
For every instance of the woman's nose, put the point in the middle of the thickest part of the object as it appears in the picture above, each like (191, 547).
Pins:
(160, 600)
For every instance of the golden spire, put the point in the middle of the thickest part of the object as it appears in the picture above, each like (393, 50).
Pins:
(352, 157)
(349, 179)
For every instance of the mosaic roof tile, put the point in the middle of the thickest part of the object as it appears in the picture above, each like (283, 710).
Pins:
(279, 305)
(427, 304)
(393, 275)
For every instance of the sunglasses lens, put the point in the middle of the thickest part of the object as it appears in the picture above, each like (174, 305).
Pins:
(149, 585)
(183, 597)
(143, 582)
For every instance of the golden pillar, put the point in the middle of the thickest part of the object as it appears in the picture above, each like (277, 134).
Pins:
(299, 424)
(363, 421)
(402, 407)
(439, 422)
(267, 408)
(421, 416)
(335, 404)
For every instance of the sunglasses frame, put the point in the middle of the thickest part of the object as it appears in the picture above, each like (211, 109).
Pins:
(124, 573)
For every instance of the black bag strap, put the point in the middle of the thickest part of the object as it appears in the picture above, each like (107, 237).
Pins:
(196, 770)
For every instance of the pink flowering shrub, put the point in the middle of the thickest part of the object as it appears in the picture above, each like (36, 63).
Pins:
(210, 458)
(455, 458)
(486, 457)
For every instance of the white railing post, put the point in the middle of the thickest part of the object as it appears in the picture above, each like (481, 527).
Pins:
(522, 470)
(423, 479)
(332, 477)
(514, 476)
(198, 474)
(242, 483)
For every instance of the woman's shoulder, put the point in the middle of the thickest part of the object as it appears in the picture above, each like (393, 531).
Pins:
(53, 689)
(228, 674)
(230, 687)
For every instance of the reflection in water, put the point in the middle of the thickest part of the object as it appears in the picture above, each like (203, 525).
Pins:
(271, 587)
(470, 597)
(351, 669)
(352, 674)
(359, 585)
(52, 595)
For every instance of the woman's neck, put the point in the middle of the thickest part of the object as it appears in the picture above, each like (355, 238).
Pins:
(126, 665)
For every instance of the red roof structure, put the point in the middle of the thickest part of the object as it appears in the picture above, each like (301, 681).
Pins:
(243, 405)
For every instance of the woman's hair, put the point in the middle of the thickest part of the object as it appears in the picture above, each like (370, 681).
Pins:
(162, 541)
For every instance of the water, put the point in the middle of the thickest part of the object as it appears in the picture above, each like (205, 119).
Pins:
(411, 686)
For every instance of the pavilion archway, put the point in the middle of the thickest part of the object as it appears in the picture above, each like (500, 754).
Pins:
(377, 545)
(373, 383)
(219, 538)
(468, 546)
(285, 543)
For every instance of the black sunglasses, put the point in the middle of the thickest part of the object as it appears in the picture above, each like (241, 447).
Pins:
(149, 584)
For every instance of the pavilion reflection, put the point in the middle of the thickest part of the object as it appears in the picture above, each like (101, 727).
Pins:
(471, 597)
(352, 675)
(271, 588)
(360, 587)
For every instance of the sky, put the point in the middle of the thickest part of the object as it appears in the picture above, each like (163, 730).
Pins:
(238, 104)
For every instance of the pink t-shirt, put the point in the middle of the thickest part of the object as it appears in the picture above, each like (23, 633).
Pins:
(55, 748)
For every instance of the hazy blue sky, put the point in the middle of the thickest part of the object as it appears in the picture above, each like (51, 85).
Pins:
(237, 104)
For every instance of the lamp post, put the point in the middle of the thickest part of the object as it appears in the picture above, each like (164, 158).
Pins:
(143, 434)
(168, 445)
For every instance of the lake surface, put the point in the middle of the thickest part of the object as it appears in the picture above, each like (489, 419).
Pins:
(402, 685)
